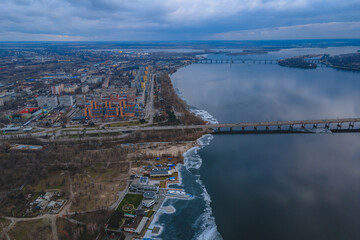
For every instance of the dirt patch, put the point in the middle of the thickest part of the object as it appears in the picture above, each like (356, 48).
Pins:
(36, 229)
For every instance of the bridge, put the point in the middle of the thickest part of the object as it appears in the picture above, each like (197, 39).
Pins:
(236, 61)
(297, 126)
(250, 60)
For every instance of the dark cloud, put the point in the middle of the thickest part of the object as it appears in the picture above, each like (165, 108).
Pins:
(168, 20)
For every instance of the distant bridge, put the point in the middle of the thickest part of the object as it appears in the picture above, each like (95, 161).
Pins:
(236, 61)
(250, 60)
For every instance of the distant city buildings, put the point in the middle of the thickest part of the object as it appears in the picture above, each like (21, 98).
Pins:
(66, 101)
(57, 89)
(85, 88)
(48, 101)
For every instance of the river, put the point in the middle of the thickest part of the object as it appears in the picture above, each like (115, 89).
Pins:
(294, 186)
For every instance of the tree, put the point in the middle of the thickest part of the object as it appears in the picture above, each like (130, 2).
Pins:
(63, 119)
(115, 219)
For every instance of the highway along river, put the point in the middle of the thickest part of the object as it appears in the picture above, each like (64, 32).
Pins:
(289, 186)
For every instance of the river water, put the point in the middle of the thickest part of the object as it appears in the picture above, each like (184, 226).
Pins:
(289, 186)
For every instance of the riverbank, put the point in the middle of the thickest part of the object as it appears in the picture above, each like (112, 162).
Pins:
(188, 219)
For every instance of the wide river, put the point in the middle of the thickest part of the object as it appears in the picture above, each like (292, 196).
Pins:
(294, 186)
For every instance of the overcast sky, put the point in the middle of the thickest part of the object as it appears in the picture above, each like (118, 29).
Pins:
(124, 20)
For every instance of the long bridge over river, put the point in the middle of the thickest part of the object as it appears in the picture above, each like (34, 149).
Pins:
(246, 60)
(296, 126)
(341, 125)
(236, 60)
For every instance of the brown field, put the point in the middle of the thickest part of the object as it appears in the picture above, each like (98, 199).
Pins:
(57, 181)
(96, 187)
(36, 229)
(4, 223)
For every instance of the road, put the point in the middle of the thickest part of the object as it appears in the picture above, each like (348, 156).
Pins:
(80, 131)
(150, 102)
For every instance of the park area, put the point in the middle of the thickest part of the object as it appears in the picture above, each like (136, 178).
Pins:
(130, 203)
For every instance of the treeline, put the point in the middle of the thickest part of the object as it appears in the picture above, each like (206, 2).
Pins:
(296, 62)
(176, 109)
(166, 135)
(345, 61)
(22, 168)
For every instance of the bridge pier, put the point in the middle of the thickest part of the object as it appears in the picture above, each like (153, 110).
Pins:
(231, 129)
(338, 126)
(315, 126)
(327, 125)
(291, 127)
(267, 128)
(303, 126)
(242, 129)
(351, 125)
(279, 127)
(255, 128)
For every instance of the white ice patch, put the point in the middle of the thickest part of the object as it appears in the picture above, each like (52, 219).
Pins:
(205, 115)
(208, 227)
(192, 160)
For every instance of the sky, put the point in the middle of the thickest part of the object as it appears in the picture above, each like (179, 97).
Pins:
(171, 20)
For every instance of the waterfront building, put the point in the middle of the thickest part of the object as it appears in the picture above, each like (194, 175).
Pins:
(140, 188)
(149, 199)
(137, 225)
(160, 172)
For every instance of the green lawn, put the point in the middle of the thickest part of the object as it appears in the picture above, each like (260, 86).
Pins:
(134, 199)
(150, 213)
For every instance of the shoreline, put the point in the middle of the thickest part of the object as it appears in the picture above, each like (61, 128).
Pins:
(209, 227)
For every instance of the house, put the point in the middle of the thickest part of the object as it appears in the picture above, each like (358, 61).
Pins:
(137, 225)
(51, 204)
